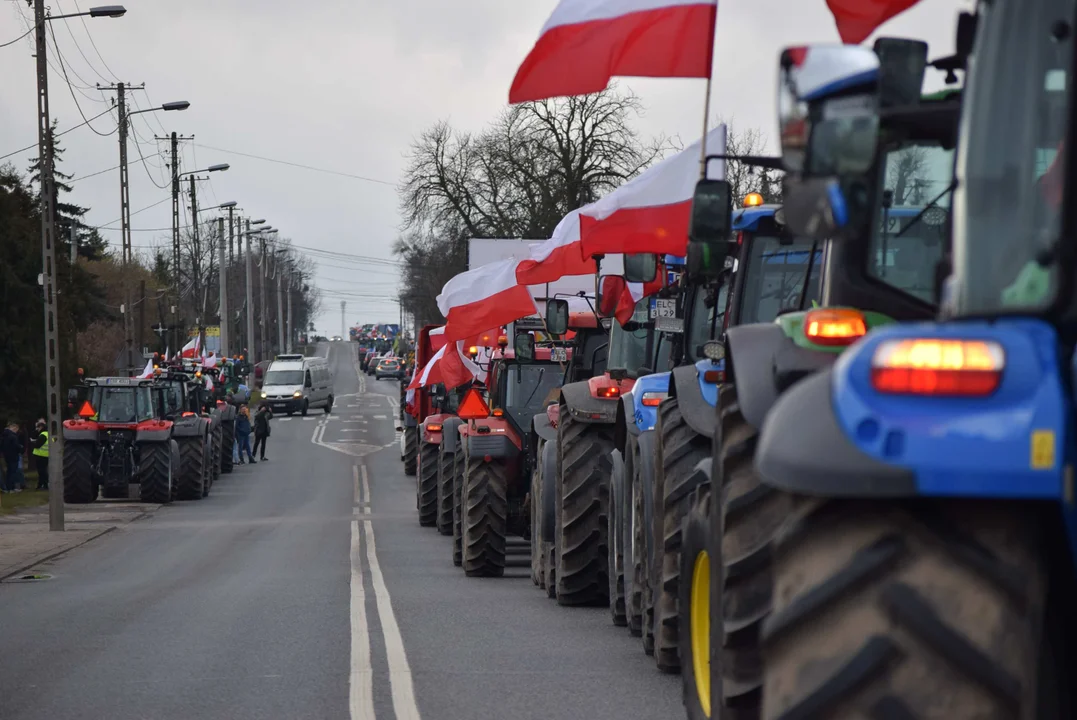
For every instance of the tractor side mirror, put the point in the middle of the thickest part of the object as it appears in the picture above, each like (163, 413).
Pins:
(610, 290)
(902, 63)
(816, 208)
(72, 396)
(828, 100)
(557, 316)
(524, 344)
(709, 228)
(640, 267)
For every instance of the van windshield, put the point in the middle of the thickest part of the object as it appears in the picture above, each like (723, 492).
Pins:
(284, 377)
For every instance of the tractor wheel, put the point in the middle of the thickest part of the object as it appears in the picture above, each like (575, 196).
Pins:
(902, 610)
(752, 515)
(214, 469)
(583, 460)
(155, 472)
(459, 465)
(614, 531)
(411, 450)
(79, 487)
(427, 486)
(634, 555)
(446, 460)
(679, 450)
(694, 606)
(191, 482)
(641, 555)
(228, 441)
(485, 507)
(538, 555)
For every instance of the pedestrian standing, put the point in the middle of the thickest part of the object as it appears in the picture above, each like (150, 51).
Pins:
(261, 429)
(24, 449)
(243, 434)
(41, 455)
(11, 449)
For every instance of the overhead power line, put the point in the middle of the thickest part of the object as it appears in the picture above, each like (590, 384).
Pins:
(20, 37)
(59, 134)
(299, 165)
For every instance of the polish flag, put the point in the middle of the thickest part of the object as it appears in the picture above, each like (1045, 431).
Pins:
(624, 305)
(487, 297)
(211, 361)
(431, 373)
(437, 338)
(558, 257)
(858, 19)
(147, 372)
(650, 212)
(585, 43)
(192, 348)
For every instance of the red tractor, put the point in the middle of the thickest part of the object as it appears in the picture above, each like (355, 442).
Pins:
(118, 438)
(493, 459)
(420, 407)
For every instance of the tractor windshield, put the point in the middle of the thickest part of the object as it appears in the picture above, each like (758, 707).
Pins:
(909, 232)
(1010, 172)
(526, 388)
(775, 278)
(707, 320)
(628, 349)
(122, 404)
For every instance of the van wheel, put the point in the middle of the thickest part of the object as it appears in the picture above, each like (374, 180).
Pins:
(328, 404)
(306, 406)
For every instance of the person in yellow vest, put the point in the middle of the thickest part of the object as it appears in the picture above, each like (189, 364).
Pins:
(41, 455)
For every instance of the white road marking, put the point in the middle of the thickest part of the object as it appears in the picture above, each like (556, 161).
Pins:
(310, 417)
(366, 483)
(358, 496)
(380, 417)
(400, 680)
(283, 419)
(361, 679)
(352, 430)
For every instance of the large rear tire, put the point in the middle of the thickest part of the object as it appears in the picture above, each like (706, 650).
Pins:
(695, 607)
(155, 472)
(191, 481)
(902, 610)
(486, 510)
(633, 572)
(426, 487)
(583, 495)
(446, 461)
(752, 516)
(228, 441)
(538, 553)
(411, 450)
(678, 451)
(459, 465)
(214, 469)
(641, 560)
(79, 487)
(615, 534)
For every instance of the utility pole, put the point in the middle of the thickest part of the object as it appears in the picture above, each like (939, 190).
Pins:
(291, 332)
(231, 233)
(125, 221)
(250, 294)
(222, 279)
(263, 335)
(280, 308)
(142, 316)
(48, 275)
(74, 230)
(343, 303)
(196, 269)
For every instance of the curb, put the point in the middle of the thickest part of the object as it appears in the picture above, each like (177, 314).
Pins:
(57, 553)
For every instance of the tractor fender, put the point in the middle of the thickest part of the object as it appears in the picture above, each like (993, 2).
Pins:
(622, 427)
(190, 426)
(549, 489)
(433, 437)
(585, 407)
(816, 457)
(152, 435)
(450, 435)
(750, 360)
(88, 432)
(543, 428)
(698, 414)
(496, 447)
(228, 411)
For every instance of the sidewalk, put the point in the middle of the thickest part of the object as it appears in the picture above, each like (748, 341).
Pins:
(26, 541)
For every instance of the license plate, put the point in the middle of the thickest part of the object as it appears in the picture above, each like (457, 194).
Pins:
(665, 308)
(559, 354)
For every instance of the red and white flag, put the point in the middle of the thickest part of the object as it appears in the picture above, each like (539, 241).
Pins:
(486, 297)
(585, 43)
(858, 19)
(147, 372)
(650, 212)
(192, 348)
(558, 257)
(622, 306)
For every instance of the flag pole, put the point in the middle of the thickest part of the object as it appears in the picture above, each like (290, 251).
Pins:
(707, 103)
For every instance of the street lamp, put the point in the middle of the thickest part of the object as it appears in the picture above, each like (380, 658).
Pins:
(48, 254)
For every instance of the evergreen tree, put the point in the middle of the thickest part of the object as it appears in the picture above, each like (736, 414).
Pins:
(91, 245)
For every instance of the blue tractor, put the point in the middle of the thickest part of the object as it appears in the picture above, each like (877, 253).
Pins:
(925, 567)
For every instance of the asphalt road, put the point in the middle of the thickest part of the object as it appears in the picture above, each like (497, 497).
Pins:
(304, 588)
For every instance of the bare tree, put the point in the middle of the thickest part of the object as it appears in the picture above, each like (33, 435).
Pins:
(905, 176)
(743, 177)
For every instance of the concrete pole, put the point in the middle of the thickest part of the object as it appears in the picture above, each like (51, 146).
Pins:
(222, 280)
(250, 296)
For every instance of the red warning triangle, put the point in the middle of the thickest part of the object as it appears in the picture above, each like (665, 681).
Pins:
(87, 410)
(473, 407)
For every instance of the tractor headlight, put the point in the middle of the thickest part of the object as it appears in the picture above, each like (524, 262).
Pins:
(713, 350)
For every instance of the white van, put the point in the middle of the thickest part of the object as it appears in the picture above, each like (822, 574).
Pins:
(296, 383)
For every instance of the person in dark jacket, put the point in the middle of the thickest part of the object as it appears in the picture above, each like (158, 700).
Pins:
(261, 429)
(243, 433)
(11, 450)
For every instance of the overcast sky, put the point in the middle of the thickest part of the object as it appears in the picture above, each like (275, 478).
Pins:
(344, 86)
